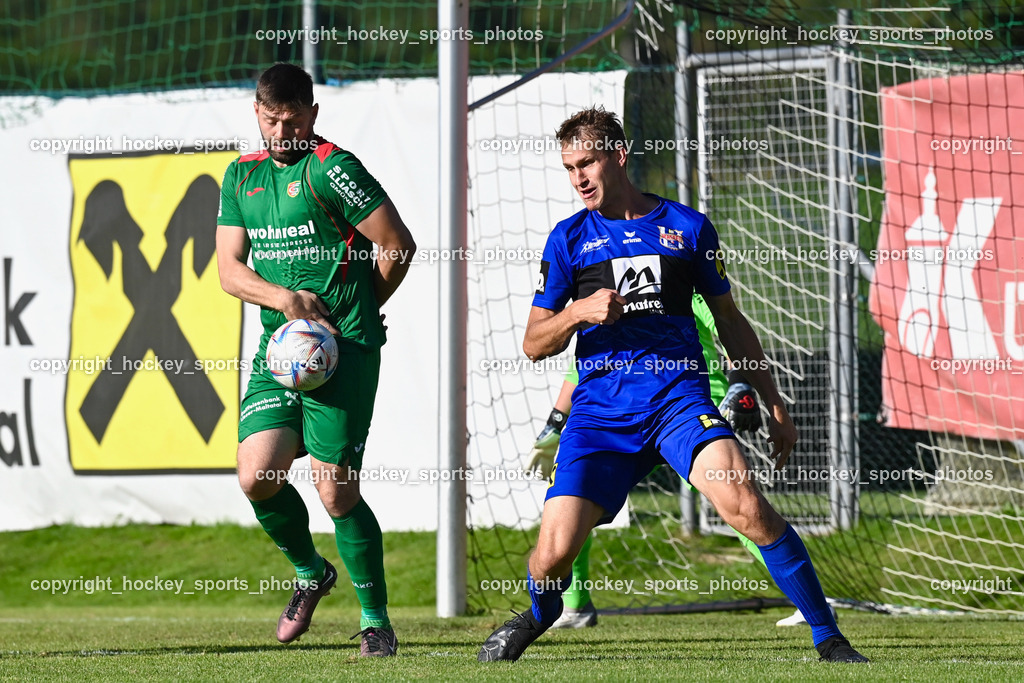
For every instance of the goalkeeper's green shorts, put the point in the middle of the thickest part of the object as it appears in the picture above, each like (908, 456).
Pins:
(333, 420)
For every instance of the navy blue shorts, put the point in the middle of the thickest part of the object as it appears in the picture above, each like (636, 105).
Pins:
(601, 459)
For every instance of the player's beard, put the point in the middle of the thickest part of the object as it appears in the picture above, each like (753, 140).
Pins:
(292, 152)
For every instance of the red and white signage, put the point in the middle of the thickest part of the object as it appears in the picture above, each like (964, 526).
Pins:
(949, 278)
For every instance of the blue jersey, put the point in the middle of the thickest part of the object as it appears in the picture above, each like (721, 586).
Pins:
(652, 354)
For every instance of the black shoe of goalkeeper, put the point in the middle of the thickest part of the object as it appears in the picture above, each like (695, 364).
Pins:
(837, 649)
(508, 643)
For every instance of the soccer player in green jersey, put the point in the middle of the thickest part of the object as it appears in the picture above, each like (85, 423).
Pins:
(737, 402)
(310, 214)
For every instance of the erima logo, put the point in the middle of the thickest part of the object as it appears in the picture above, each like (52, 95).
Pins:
(271, 233)
(637, 275)
(631, 238)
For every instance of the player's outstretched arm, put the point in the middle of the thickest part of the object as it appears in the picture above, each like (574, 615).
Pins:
(743, 346)
(548, 332)
(239, 280)
(384, 227)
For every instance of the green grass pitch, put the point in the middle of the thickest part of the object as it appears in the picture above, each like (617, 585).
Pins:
(228, 634)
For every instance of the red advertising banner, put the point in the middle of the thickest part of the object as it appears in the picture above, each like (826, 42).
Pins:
(949, 268)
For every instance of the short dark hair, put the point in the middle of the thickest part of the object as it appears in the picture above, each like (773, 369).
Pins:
(593, 125)
(285, 86)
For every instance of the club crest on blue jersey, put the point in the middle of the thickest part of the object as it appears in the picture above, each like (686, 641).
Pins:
(672, 239)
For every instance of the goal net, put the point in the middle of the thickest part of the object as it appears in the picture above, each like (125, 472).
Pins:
(808, 148)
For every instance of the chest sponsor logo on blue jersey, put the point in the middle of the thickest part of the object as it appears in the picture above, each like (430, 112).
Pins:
(638, 280)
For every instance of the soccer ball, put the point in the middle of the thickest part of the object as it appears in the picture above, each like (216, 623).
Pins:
(302, 354)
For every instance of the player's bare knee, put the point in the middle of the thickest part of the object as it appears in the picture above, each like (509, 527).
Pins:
(257, 487)
(338, 497)
(550, 561)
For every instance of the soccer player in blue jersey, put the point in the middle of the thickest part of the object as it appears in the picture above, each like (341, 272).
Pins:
(620, 275)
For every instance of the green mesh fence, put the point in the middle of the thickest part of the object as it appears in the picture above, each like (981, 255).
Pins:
(64, 47)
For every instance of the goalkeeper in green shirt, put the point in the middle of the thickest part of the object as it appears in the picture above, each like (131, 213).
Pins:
(737, 402)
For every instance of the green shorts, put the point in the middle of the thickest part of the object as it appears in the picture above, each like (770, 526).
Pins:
(333, 420)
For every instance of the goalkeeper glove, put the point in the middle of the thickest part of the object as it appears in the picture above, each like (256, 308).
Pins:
(739, 406)
(542, 457)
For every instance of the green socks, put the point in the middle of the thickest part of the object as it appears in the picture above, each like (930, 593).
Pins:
(362, 550)
(578, 594)
(752, 547)
(285, 519)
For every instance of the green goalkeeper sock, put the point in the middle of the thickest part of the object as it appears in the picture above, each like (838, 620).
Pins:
(752, 547)
(285, 519)
(578, 594)
(361, 547)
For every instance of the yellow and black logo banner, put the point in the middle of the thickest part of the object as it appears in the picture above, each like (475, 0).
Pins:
(148, 302)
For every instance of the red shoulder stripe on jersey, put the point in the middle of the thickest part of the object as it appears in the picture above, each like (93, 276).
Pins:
(261, 157)
(323, 148)
(246, 158)
(351, 231)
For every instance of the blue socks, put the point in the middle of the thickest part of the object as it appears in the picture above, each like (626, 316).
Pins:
(791, 568)
(547, 598)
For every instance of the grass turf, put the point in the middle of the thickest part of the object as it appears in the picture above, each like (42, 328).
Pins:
(227, 633)
(214, 642)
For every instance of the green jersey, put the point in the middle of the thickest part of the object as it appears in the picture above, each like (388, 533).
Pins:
(707, 332)
(301, 221)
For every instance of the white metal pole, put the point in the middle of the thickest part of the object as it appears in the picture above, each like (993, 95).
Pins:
(453, 78)
(309, 48)
(684, 183)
